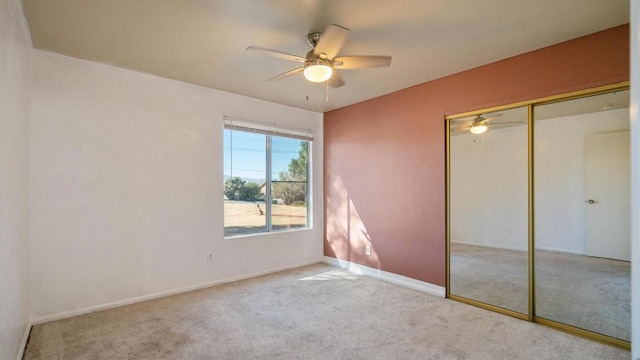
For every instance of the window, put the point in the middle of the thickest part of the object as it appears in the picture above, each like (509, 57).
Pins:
(266, 174)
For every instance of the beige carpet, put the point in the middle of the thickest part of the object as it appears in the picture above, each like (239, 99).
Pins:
(586, 292)
(314, 312)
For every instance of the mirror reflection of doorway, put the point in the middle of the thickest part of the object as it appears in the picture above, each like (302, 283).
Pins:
(608, 190)
(538, 212)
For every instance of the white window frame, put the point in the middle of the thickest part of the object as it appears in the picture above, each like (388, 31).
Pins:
(279, 131)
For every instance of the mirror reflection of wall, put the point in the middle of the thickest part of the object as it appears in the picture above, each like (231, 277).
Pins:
(488, 209)
(582, 246)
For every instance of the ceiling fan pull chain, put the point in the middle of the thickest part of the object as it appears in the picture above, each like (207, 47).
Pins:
(327, 99)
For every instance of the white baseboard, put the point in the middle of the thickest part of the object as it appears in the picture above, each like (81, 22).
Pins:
(23, 344)
(137, 299)
(544, 248)
(574, 252)
(491, 246)
(422, 286)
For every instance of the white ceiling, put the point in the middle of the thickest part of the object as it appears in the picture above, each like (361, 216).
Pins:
(203, 41)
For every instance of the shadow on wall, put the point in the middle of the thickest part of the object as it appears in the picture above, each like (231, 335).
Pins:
(349, 237)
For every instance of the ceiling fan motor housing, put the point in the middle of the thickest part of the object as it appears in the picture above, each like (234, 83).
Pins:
(313, 38)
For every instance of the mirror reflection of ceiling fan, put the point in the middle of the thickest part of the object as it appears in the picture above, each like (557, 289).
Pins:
(479, 124)
(321, 62)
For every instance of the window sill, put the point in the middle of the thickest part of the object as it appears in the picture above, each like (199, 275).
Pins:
(241, 236)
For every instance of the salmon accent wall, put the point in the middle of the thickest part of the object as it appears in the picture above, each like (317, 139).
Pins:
(384, 159)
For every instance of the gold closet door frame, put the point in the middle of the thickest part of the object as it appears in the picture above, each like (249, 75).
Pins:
(530, 104)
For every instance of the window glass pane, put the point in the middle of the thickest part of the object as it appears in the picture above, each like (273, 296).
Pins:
(289, 171)
(245, 177)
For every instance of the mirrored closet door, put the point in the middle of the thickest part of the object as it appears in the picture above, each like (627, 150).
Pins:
(488, 208)
(582, 213)
(538, 211)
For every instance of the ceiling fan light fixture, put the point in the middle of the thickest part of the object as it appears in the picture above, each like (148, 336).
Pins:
(318, 70)
(478, 129)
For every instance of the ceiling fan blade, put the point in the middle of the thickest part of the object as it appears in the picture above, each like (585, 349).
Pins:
(331, 41)
(336, 80)
(461, 127)
(361, 62)
(508, 122)
(468, 119)
(491, 117)
(286, 74)
(276, 54)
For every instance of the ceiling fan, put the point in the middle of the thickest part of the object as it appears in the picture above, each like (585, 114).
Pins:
(321, 63)
(479, 124)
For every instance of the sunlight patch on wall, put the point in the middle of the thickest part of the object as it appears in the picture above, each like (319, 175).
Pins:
(346, 233)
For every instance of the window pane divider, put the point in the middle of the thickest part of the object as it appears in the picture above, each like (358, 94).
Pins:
(267, 193)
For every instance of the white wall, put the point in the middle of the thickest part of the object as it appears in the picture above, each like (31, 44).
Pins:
(497, 215)
(635, 178)
(489, 188)
(126, 177)
(14, 197)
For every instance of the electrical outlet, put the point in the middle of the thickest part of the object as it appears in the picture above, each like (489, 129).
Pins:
(367, 250)
(210, 257)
